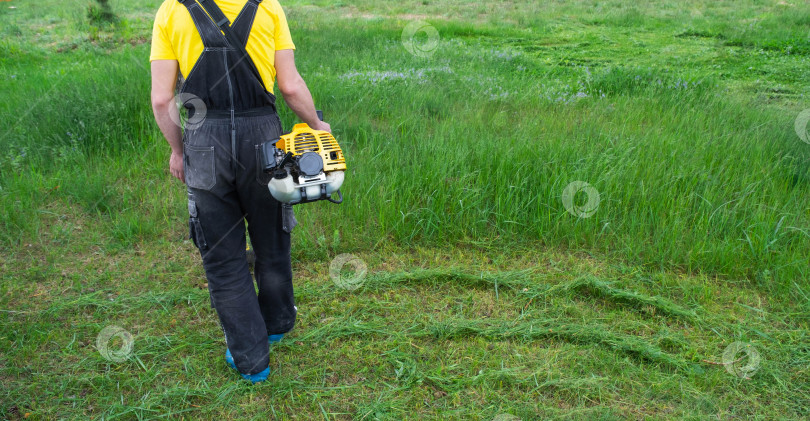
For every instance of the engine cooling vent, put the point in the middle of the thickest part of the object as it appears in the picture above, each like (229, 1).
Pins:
(304, 139)
(305, 142)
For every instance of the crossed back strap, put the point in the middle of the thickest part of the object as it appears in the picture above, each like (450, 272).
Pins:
(224, 25)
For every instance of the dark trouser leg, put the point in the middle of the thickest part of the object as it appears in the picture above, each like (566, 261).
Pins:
(217, 225)
(272, 268)
(271, 244)
(229, 281)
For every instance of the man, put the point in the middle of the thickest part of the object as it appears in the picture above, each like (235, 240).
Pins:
(230, 100)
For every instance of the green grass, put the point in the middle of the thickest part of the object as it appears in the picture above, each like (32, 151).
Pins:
(484, 296)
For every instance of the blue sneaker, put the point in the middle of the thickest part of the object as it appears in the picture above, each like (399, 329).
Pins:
(272, 339)
(258, 377)
(229, 359)
(253, 378)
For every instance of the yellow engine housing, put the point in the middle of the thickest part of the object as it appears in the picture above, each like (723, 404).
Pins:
(302, 139)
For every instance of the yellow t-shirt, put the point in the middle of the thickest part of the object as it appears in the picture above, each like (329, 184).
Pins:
(174, 36)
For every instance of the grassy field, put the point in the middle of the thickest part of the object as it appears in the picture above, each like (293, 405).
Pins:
(493, 291)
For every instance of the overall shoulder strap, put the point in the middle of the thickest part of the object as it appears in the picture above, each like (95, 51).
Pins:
(225, 26)
(243, 24)
(210, 33)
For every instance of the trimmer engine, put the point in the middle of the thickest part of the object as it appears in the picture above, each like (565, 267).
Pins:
(307, 166)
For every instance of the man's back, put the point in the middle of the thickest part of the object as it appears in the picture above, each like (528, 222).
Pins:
(175, 37)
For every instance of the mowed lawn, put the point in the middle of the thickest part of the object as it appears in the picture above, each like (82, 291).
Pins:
(583, 210)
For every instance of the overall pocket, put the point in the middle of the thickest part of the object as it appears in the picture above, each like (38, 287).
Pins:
(261, 177)
(200, 167)
(196, 233)
(288, 221)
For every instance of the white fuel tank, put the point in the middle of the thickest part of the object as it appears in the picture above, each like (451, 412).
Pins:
(286, 190)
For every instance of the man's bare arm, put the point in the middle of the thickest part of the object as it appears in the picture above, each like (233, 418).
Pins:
(164, 78)
(295, 91)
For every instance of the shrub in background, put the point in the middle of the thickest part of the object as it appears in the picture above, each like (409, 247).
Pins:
(100, 12)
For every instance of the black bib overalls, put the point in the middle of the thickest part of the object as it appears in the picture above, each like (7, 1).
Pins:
(221, 148)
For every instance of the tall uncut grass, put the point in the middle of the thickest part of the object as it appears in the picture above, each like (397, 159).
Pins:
(474, 144)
